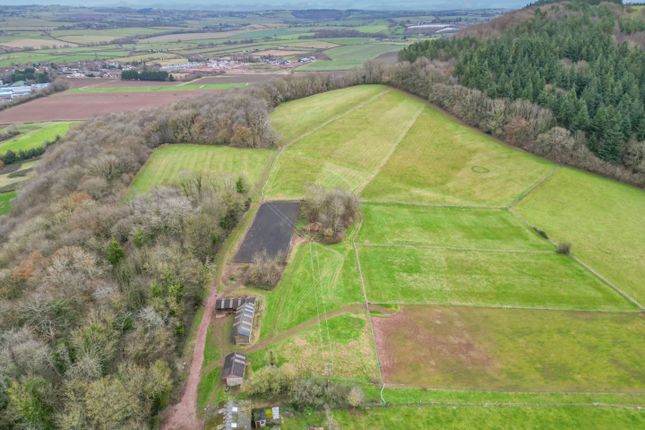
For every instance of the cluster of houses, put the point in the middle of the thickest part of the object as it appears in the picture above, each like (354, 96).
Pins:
(235, 363)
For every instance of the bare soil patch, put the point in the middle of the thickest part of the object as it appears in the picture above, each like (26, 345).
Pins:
(271, 231)
(80, 106)
(421, 342)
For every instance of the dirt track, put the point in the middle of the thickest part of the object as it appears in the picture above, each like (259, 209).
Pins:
(183, 415)
(79, 106)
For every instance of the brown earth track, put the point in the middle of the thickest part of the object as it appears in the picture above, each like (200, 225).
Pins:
(183, 415)
(71, 106)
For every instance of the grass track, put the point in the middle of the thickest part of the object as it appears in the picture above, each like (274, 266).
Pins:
(168, 164)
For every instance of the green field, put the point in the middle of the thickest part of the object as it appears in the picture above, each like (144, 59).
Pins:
(190, 87)
(343, 342)
(312, 112)
(603, 219)
(349, 150)
(168, 164)
(514, 350)
(348, 57)
(317, 281)
(447, 227)
(5, 202)
(426, 275)
(442, 161)
(35, 135)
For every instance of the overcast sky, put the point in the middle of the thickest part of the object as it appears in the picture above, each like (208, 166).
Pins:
(287, 4)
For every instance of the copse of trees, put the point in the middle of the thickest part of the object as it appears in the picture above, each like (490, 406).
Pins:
(331, 211)
(569, 65)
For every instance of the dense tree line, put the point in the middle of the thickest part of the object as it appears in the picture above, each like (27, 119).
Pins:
(29, 74)
(570, 65)
(97, 289)
(145, 75)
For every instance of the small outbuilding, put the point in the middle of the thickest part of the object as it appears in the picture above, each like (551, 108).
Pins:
(266, 417)
(234, 369)
(243, 323)
(230, 304)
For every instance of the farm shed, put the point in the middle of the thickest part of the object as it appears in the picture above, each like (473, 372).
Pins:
(234, 369)
(243, 323)
(230, 304)
(266, 417)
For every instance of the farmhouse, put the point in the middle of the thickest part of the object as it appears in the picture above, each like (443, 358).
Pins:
(234, 369)
(230, 304)
(243, 324)
(266, 417)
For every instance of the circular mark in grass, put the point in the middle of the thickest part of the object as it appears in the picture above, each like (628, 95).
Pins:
(479, 169)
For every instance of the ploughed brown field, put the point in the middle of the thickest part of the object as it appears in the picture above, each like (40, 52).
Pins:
(116, 83)
(79, 106)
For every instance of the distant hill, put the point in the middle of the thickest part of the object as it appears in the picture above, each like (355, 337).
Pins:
(242, 5)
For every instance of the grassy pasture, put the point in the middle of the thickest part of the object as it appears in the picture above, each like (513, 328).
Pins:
(169, 163)
(347, 152)
(35, 135)
(348, 57)
(318, 280)
(451, 227)
(603, 219)
(315, 110)
(442, 161)
(516, 350)
(428, 275)
(480, 417)
(5, 202)
(189, 87)
(344, 342)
